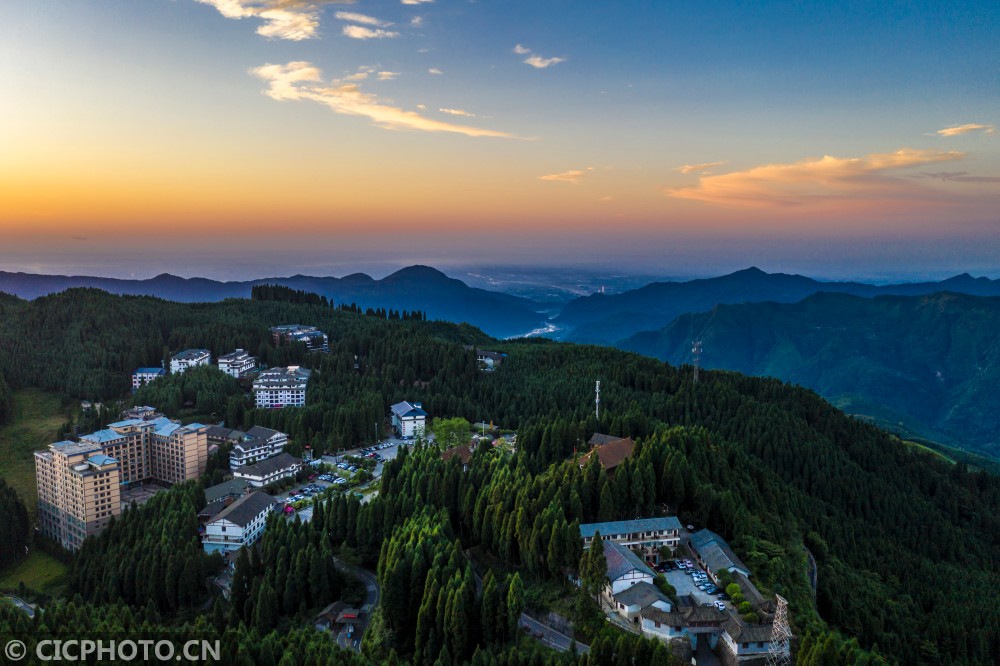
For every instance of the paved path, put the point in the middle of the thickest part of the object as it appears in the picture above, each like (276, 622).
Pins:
(372, 594)
(548, 636)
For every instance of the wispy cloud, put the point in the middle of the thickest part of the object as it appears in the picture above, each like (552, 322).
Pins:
(355, 17)
(959, 177)
(536, 60)
(364, 32)
(541, 63)
(965, 129)
(417, 21)
(415, 2)
(815, 181)
(283, 19)
(435, 70)
(697, 168)
(297, 81)
(573, 176)
(387, 76)
(457, 112)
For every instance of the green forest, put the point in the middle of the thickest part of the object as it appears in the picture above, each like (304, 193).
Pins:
(907, 545)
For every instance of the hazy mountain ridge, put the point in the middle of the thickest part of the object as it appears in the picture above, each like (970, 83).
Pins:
(931, 362)
(413, 288)
(606, 319)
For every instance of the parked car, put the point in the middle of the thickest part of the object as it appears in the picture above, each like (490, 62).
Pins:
(721, 606)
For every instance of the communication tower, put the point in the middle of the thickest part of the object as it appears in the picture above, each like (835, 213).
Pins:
(696, 357)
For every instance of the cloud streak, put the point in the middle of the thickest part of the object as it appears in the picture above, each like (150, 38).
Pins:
(697, 168)
(959, 177)
(364, 32)
(958, 130)
(355, 17)
(572, 177)
(457, 112)
(302, 81)
(293, 20)
(817, 181)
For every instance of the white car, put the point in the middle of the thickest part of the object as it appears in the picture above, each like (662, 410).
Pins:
(721, 606)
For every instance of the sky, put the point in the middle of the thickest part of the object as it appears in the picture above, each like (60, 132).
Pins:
(239, 138)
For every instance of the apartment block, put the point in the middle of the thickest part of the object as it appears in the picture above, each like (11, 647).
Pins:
(154, 448)
(143, 376)
(188, 359)
(314, 339)
(78, 491)
(237, 363)
(281, 387)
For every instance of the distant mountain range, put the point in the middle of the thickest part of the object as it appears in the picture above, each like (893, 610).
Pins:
(412, 288)
(927, 366)
(606, 319)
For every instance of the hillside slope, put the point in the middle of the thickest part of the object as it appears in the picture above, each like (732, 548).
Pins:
(930, 364)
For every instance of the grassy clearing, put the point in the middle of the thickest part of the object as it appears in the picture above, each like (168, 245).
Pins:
(37, 418)
(40, 571)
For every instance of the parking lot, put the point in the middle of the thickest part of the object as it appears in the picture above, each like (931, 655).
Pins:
(686, 585)
(385, 450)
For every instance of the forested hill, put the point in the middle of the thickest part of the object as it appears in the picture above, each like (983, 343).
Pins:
(928, 363)
(606, 319)
(907, 546)
(412, 288)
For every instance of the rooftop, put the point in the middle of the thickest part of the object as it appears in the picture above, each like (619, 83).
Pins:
(463, 451)
(290, 377)
(218, 432)
(190, 355)
(611, 454)
(67, 448)
(269, 466)
(741, 632)
(630, 526)
(236, 355)
(245, 509)
(225, 489)
(149, 371)
(715, 552)
(260, 432)
(405, 408)
(621, 560)
(642, 595)
(101, 459)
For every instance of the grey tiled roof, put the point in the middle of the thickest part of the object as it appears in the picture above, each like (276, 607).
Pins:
(641, 594)
(621, 560)
(715, 552)
(245, 509)
(630, 526)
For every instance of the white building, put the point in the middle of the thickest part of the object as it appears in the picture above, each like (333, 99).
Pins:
(625, 569)
(189, 358)
(143, 376)
(409, 419)
(635, 599)
(281, 387)
(239, 524)
(270, 470)
(646, 534)
(257, 444)
(237, 363)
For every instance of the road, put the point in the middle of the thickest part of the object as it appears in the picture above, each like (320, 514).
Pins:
(372, 594)
(22, 605)
(550, 637)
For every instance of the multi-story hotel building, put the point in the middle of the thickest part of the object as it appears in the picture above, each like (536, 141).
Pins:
(78, 491)
(143, 376)
(281, 387)
(237, 363)
(314, 339)
(188, 359)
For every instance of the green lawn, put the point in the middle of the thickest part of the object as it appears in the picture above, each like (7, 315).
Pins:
(40, 572)
(37, 418)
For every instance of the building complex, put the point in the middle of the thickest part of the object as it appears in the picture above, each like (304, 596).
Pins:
(189, 358)
(237, 363)
(281, 387)
(314, 339)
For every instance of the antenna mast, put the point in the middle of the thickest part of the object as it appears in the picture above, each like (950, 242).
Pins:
(597, 400)
(696, 356)
(780, 651)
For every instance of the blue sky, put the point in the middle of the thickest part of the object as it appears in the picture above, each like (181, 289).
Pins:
(709, 135)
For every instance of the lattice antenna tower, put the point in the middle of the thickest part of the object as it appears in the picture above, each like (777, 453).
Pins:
(696, 358)
(597, 400)
(780, 651)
